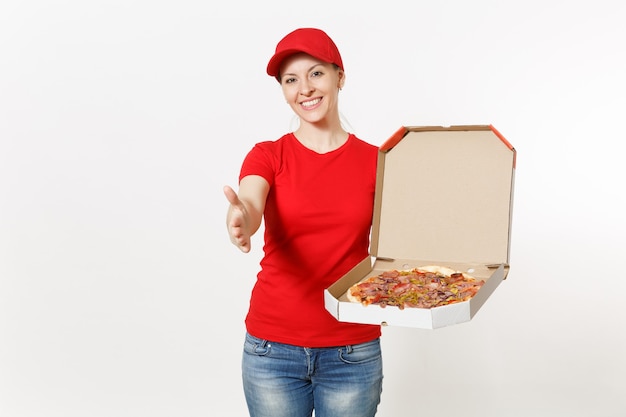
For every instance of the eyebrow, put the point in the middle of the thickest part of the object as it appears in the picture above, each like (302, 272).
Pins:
(309, 70)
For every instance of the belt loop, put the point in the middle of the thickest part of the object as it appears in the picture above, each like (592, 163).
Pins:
(348, 348)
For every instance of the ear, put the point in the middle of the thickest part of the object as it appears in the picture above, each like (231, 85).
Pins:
(341, 79)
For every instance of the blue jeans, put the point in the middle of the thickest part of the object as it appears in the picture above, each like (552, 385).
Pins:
(282, 380)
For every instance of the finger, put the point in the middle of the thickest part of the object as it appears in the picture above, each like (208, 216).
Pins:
(232, 196)
(242, 242)
(245, 247)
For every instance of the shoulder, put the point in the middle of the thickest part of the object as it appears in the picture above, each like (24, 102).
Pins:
(269, 150)
(264, 159)
(273, 145)
(360, 142)
(363, 146)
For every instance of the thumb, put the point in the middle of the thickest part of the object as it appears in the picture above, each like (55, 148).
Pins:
(232, 196)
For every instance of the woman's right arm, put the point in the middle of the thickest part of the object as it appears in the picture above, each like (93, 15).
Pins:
(245, 211)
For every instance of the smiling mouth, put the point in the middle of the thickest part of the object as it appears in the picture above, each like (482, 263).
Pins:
(310, 103)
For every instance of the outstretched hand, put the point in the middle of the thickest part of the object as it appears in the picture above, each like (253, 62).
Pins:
(237, 221)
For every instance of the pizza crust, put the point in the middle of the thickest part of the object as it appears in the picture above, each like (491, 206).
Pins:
(351, 297)
(437, 269)
(443, 270)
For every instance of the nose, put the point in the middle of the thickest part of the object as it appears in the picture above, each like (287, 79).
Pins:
(306, 88)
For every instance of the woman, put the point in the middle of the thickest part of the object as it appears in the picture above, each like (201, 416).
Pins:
(314, 188)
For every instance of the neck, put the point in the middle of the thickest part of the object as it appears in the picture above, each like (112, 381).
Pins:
(321, 140)
(323, 136)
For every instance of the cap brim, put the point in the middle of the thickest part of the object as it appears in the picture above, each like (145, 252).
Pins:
(273, 67)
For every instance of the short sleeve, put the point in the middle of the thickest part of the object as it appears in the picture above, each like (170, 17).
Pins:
(260, 161)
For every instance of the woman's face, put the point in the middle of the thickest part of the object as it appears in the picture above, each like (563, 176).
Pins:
(311, 87)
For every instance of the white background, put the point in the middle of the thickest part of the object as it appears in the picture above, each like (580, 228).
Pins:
(120, 121)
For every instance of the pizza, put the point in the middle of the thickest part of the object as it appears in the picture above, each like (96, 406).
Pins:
(422, 287)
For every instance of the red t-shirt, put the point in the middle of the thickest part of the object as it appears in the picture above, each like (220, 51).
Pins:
(317, 218)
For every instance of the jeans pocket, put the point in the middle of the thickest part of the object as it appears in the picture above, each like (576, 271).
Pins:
(362, 353)
(255, 346)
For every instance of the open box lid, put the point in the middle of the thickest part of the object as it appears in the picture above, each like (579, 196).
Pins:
(444, 194)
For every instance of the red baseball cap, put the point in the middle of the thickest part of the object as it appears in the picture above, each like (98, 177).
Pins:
(314, 42)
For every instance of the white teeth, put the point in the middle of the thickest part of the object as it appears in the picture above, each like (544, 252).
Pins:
(311, 103)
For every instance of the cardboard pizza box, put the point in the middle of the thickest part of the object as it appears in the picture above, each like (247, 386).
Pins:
(444, 196)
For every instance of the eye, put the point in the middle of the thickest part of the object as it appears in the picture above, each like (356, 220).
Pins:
(289, 80)
(317, 74)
